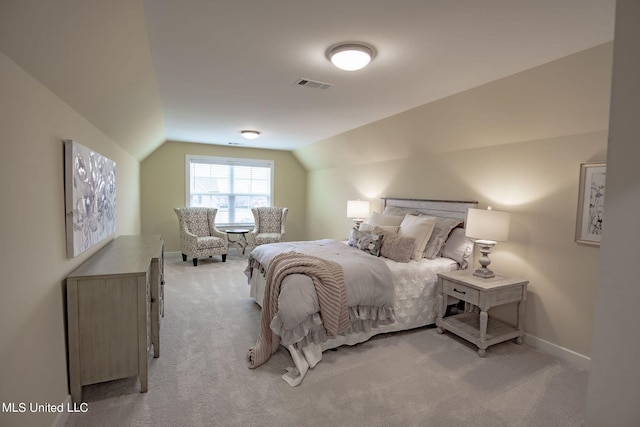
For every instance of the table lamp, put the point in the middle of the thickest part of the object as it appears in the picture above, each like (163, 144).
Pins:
(488, 227)
(358, 210)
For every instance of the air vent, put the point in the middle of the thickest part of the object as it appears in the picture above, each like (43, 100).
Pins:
(314, 84)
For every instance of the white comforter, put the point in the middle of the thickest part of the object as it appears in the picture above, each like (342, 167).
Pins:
(415, 305)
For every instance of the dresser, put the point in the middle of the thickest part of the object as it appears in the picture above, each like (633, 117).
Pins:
(115, 301)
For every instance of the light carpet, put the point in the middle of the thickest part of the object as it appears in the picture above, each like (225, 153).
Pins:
(413, 378)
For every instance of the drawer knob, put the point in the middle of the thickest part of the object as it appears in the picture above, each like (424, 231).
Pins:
(460, 292)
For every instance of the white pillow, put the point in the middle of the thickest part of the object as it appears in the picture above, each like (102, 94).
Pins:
(379, 219)
(370, 227)
(420, 228)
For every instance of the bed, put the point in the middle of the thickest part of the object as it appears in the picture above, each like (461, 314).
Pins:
(400, 282)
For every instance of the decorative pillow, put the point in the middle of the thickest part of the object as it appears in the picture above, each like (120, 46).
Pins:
(419, 228)
(379, 219)
(458, 247)
(441, 231)
(366, 241)
(397, 248)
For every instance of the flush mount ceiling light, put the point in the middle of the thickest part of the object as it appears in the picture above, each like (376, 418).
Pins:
(250, 134)
(350, 56)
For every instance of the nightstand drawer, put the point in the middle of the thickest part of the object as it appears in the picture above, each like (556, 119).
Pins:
(465, 293)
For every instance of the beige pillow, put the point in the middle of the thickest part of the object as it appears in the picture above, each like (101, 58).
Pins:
(397, 248)
(394, 247)
(379, 219)
(419, 228)
(388, 228)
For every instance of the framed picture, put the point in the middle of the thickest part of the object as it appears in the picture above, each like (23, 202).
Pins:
(90, 197)
(591, 203)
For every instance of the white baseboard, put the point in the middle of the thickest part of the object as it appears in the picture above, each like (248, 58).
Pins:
(63, 416)
(578, 360)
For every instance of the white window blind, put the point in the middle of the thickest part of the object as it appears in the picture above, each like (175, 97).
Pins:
(233, 186)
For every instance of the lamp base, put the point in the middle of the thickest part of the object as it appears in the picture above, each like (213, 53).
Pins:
(485, 250)
(485, 273)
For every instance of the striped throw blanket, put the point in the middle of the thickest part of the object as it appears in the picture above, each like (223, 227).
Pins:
(328, 280)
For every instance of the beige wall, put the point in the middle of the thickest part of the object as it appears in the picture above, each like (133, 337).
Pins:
(95, 56)
(163, 186)
(515, 144)
(33, 124)
(614, 380)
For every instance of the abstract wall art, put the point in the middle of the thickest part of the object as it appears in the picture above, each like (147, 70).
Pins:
(90, 197)
(591, 203)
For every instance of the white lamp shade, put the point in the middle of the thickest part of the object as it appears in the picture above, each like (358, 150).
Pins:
(487, 225)
(357, 209)
(350, 57)
(250, 134)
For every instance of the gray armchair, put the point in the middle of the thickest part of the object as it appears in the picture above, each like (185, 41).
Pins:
(199, 236)
(269, 225)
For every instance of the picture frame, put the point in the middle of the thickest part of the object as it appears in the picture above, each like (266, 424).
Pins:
(90, 197)
(590, 217)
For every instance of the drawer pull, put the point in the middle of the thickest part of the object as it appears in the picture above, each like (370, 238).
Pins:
(460, 292)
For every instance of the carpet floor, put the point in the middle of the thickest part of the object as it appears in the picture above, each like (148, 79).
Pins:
(412, 378)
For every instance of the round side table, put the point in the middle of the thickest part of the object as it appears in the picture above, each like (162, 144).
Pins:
(241, 237)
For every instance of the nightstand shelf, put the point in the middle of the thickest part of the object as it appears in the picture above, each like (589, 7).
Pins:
(476, 327)
(467, 326)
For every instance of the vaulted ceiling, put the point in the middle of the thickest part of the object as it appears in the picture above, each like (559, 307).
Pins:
(201, 70)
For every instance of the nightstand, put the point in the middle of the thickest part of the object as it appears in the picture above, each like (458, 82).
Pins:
(475, 327)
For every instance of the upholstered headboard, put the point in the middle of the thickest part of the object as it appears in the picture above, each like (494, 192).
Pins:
(442, 208)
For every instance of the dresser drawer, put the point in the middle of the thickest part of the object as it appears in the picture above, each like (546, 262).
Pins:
(465, 293)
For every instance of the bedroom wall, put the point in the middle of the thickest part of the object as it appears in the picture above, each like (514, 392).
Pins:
(516, 144)
(165, 169)
(33, 124)
(614, 380)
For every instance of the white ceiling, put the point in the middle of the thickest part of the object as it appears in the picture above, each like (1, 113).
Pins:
(224, 66)
(144, 71)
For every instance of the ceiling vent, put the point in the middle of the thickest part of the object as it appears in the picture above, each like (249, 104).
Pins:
(314, 84)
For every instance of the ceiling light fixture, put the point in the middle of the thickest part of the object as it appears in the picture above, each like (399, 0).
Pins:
(250, 134)
(350, 56)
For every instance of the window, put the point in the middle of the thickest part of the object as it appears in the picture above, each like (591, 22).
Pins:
(233, 186)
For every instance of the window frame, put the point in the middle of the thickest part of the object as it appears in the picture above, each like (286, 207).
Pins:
(233, 161)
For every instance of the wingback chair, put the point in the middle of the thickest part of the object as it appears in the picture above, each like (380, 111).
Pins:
(269, 225)
(199, 236)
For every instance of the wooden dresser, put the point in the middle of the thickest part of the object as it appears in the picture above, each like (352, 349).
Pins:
(115, 301)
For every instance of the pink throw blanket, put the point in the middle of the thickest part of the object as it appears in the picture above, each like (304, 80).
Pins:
(328, 280)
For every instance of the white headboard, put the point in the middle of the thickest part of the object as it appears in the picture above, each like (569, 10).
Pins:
(443, 208)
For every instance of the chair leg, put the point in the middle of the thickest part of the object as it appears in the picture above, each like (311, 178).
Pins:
(184, 257)
(195, 262)
(224, 257)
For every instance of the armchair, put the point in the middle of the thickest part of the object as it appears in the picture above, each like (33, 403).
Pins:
(199, 236)
(269, 225)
